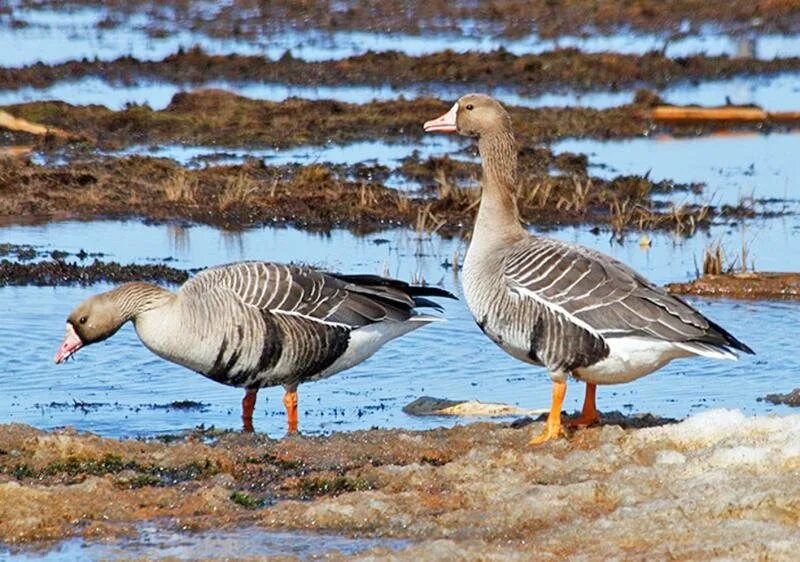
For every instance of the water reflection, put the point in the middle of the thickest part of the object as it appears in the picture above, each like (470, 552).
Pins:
(179, 238)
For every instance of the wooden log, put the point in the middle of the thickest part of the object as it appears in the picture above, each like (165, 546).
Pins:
(727, 113)
(8, 121)
(675, 113)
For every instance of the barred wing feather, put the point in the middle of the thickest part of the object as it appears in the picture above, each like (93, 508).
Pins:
(606, 297)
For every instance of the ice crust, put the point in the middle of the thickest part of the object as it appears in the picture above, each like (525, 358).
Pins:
(718, 486)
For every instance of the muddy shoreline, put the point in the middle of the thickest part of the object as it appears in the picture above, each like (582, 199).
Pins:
(748, 286)
(317, 197)
(247, 19)
(556, 70)
(476, 488)
(59, 272)
(222, 118)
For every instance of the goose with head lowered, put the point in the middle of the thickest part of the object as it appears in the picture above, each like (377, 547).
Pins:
(258, 324)
(566, 307)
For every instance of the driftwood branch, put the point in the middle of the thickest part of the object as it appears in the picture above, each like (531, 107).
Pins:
(8, 121)
(678, 113)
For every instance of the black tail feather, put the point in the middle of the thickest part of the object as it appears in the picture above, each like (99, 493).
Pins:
(729, 339)
(422, 302)
(411, 290)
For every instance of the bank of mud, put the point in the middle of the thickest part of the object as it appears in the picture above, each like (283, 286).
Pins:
(248, 19)
(318, 197)
(697, 489)
(59, 272)
(221, 118)
(531, 74)
(748, 285)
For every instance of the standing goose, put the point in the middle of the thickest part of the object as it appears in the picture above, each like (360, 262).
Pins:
(258, 324)
(569, 308)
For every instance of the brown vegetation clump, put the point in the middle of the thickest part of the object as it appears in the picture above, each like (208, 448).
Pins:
(242, 19)
(220, 118)
(322, 197)
(529, 73)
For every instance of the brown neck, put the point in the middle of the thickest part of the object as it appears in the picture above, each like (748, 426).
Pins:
(498, 217)
(137, 297)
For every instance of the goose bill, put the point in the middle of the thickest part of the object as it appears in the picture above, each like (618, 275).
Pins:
(70, 345)
(444, 124)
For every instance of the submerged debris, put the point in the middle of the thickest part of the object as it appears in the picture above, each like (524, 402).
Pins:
(789, 399)
(429, 406)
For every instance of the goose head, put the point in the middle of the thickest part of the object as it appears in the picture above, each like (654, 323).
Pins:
(95, 319)
(473, 115)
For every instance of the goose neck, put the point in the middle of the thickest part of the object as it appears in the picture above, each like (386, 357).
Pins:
(136, 298)
(498, 216)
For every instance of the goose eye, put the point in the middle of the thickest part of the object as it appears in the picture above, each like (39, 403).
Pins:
(82, 320)
(470, 107)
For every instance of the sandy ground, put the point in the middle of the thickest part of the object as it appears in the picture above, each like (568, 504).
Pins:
(700, 489)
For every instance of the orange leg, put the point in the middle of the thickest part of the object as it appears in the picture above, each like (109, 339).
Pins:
(552, 428)
(290, 401)
(248, 405)
(589, 414)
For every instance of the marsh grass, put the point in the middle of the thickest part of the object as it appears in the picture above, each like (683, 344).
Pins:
(716, 261)
(236, 191)
(181, 187)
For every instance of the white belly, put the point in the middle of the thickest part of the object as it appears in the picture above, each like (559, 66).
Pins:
(631, 358)
(364, 342)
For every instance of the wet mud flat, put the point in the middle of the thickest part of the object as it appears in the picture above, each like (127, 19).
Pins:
(748, 285)
(219, 117)
(321, 197)
(535, 73)
(248, 18)
(476, 490)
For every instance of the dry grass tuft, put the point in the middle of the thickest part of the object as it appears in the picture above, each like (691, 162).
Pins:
(713, 259)
(181, 187)
(237, 191)
(453, 193)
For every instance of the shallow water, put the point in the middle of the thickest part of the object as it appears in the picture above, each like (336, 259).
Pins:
(369, 152)
(158, 543)
(58, 36)
(451, 359)
(158, 95)
(734, 167)
(774, 93)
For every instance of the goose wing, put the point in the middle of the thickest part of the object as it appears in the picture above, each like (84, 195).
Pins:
(607, 298)
(305, 293)
(265, 316)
